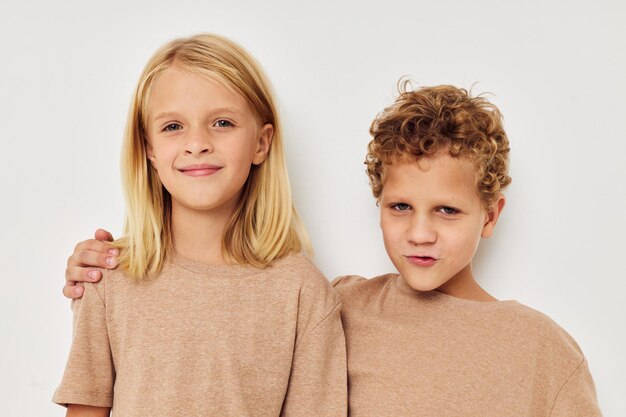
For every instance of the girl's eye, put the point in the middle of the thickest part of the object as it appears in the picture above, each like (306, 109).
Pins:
(223, 123)
(172, 127)
(400, 206)
(448, 210)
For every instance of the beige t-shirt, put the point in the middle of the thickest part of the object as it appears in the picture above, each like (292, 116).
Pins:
(203, 340)
(428, 354)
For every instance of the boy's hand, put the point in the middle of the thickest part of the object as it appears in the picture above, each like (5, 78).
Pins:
(87, 255)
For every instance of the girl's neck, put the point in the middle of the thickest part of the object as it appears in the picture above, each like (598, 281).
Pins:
(197, 235)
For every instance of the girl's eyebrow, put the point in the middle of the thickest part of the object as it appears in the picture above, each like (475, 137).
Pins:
(164, 115)
(223, 110)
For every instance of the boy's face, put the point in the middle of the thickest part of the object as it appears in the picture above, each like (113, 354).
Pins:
(432, 220)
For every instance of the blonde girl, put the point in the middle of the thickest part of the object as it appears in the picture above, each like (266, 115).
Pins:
(214, 310)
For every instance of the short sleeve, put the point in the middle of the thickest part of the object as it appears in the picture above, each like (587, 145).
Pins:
(318, 380)
(577, 397)
(89, 373)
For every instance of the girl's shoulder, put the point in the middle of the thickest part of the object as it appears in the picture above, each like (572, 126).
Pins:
(111, 280)
(294, 260)
(300, 273)
(299, 268)
(315, 299)
(96, 294)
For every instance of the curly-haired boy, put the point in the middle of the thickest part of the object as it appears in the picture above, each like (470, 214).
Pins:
(430, 341)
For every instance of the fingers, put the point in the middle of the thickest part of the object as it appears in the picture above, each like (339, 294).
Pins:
(77, 274)
(94, 256)
(80, 266)
(96, 246)
(73, 290)
(103, 235)
(88, 255)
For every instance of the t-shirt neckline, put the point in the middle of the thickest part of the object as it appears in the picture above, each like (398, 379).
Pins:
(435, 296)
(234, 270)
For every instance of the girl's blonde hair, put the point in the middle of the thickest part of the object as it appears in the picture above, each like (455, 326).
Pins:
(264, 226)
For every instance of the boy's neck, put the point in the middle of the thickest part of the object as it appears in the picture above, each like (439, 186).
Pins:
(464, 286)
(197, 235)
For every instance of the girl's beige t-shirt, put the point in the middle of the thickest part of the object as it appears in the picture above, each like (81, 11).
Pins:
(413, 353)
(203, 340)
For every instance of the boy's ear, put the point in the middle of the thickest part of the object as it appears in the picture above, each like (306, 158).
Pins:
(491, 218)
(263, 144)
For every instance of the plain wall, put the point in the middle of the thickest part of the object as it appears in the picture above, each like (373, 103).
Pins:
(555, 68)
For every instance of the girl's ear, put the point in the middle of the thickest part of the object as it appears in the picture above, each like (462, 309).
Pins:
(491, 218)
(263, 144)
(150, 153)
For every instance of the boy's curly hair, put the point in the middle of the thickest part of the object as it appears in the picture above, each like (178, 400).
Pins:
(423, 121)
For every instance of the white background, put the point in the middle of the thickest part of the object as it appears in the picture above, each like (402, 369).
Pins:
(557, 70)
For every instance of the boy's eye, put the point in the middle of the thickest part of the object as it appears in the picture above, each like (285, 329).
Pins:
(223, 123)
(172, 127)
(400, 206)
(448, 210)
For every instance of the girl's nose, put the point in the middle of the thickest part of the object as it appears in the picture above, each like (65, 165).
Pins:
(421, 231)
(198, 142)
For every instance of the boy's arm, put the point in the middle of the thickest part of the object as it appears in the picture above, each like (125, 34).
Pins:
(89, 254)
(79, 410)
(577, 398)
(318, 381)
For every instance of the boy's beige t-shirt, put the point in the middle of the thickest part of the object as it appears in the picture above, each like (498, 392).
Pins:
(428, 354)
(203, 340)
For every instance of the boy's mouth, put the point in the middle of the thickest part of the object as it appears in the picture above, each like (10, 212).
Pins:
(421, 260)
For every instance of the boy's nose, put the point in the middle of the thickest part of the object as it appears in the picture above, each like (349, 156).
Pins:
(421, 231)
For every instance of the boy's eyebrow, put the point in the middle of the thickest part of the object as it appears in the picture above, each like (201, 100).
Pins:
(441, 200)
(392, 197)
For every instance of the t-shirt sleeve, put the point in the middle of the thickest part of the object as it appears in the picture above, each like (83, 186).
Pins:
(577, 397)
(318, 380)
(89, 373)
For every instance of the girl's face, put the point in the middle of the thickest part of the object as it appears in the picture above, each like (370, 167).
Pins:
(202, 140)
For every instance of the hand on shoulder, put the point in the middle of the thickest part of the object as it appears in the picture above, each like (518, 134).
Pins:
(89, 254)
